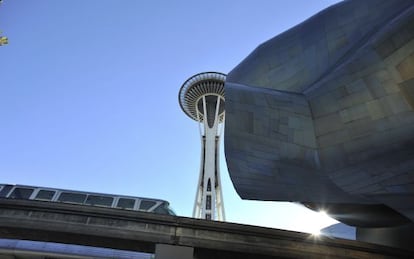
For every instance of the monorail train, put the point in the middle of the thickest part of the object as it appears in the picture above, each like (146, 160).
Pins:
(25, 192)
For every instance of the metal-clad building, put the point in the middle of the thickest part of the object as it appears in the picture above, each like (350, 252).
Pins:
(323, 114)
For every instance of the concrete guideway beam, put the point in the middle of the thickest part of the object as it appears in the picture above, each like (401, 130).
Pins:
(135, 231)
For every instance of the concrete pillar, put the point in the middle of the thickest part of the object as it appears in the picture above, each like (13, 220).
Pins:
(163, 251)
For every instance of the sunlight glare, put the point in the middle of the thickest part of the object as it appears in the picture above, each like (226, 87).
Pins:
(313, 222)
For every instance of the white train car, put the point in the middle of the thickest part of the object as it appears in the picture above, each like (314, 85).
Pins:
(25, 192)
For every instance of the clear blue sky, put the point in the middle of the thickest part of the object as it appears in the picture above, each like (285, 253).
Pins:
(88, 95)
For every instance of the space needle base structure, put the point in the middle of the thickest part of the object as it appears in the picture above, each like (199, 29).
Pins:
(201, 97)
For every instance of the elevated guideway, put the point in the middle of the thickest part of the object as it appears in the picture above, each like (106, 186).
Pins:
(153, 233)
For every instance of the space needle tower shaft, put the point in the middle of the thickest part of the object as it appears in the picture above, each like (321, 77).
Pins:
(202, 98)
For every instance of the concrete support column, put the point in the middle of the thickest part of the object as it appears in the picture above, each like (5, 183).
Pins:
(163, 251)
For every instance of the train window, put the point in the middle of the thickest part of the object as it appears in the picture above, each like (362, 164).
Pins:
(164, 208)
(146, 205)
(99, 200)
(21, 193)
(161, 209)
(124, 203)
(72, 197)
(171, 211)
(45, 195)
(5, 190)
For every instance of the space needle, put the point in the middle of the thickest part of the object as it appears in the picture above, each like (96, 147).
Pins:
(201, 97)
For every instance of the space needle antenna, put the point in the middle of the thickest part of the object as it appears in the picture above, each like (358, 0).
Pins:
(201, 97)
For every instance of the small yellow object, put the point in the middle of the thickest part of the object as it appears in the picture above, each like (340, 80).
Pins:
(3, 40)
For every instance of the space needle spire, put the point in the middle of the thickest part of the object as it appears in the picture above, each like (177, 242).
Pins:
(201, 97)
